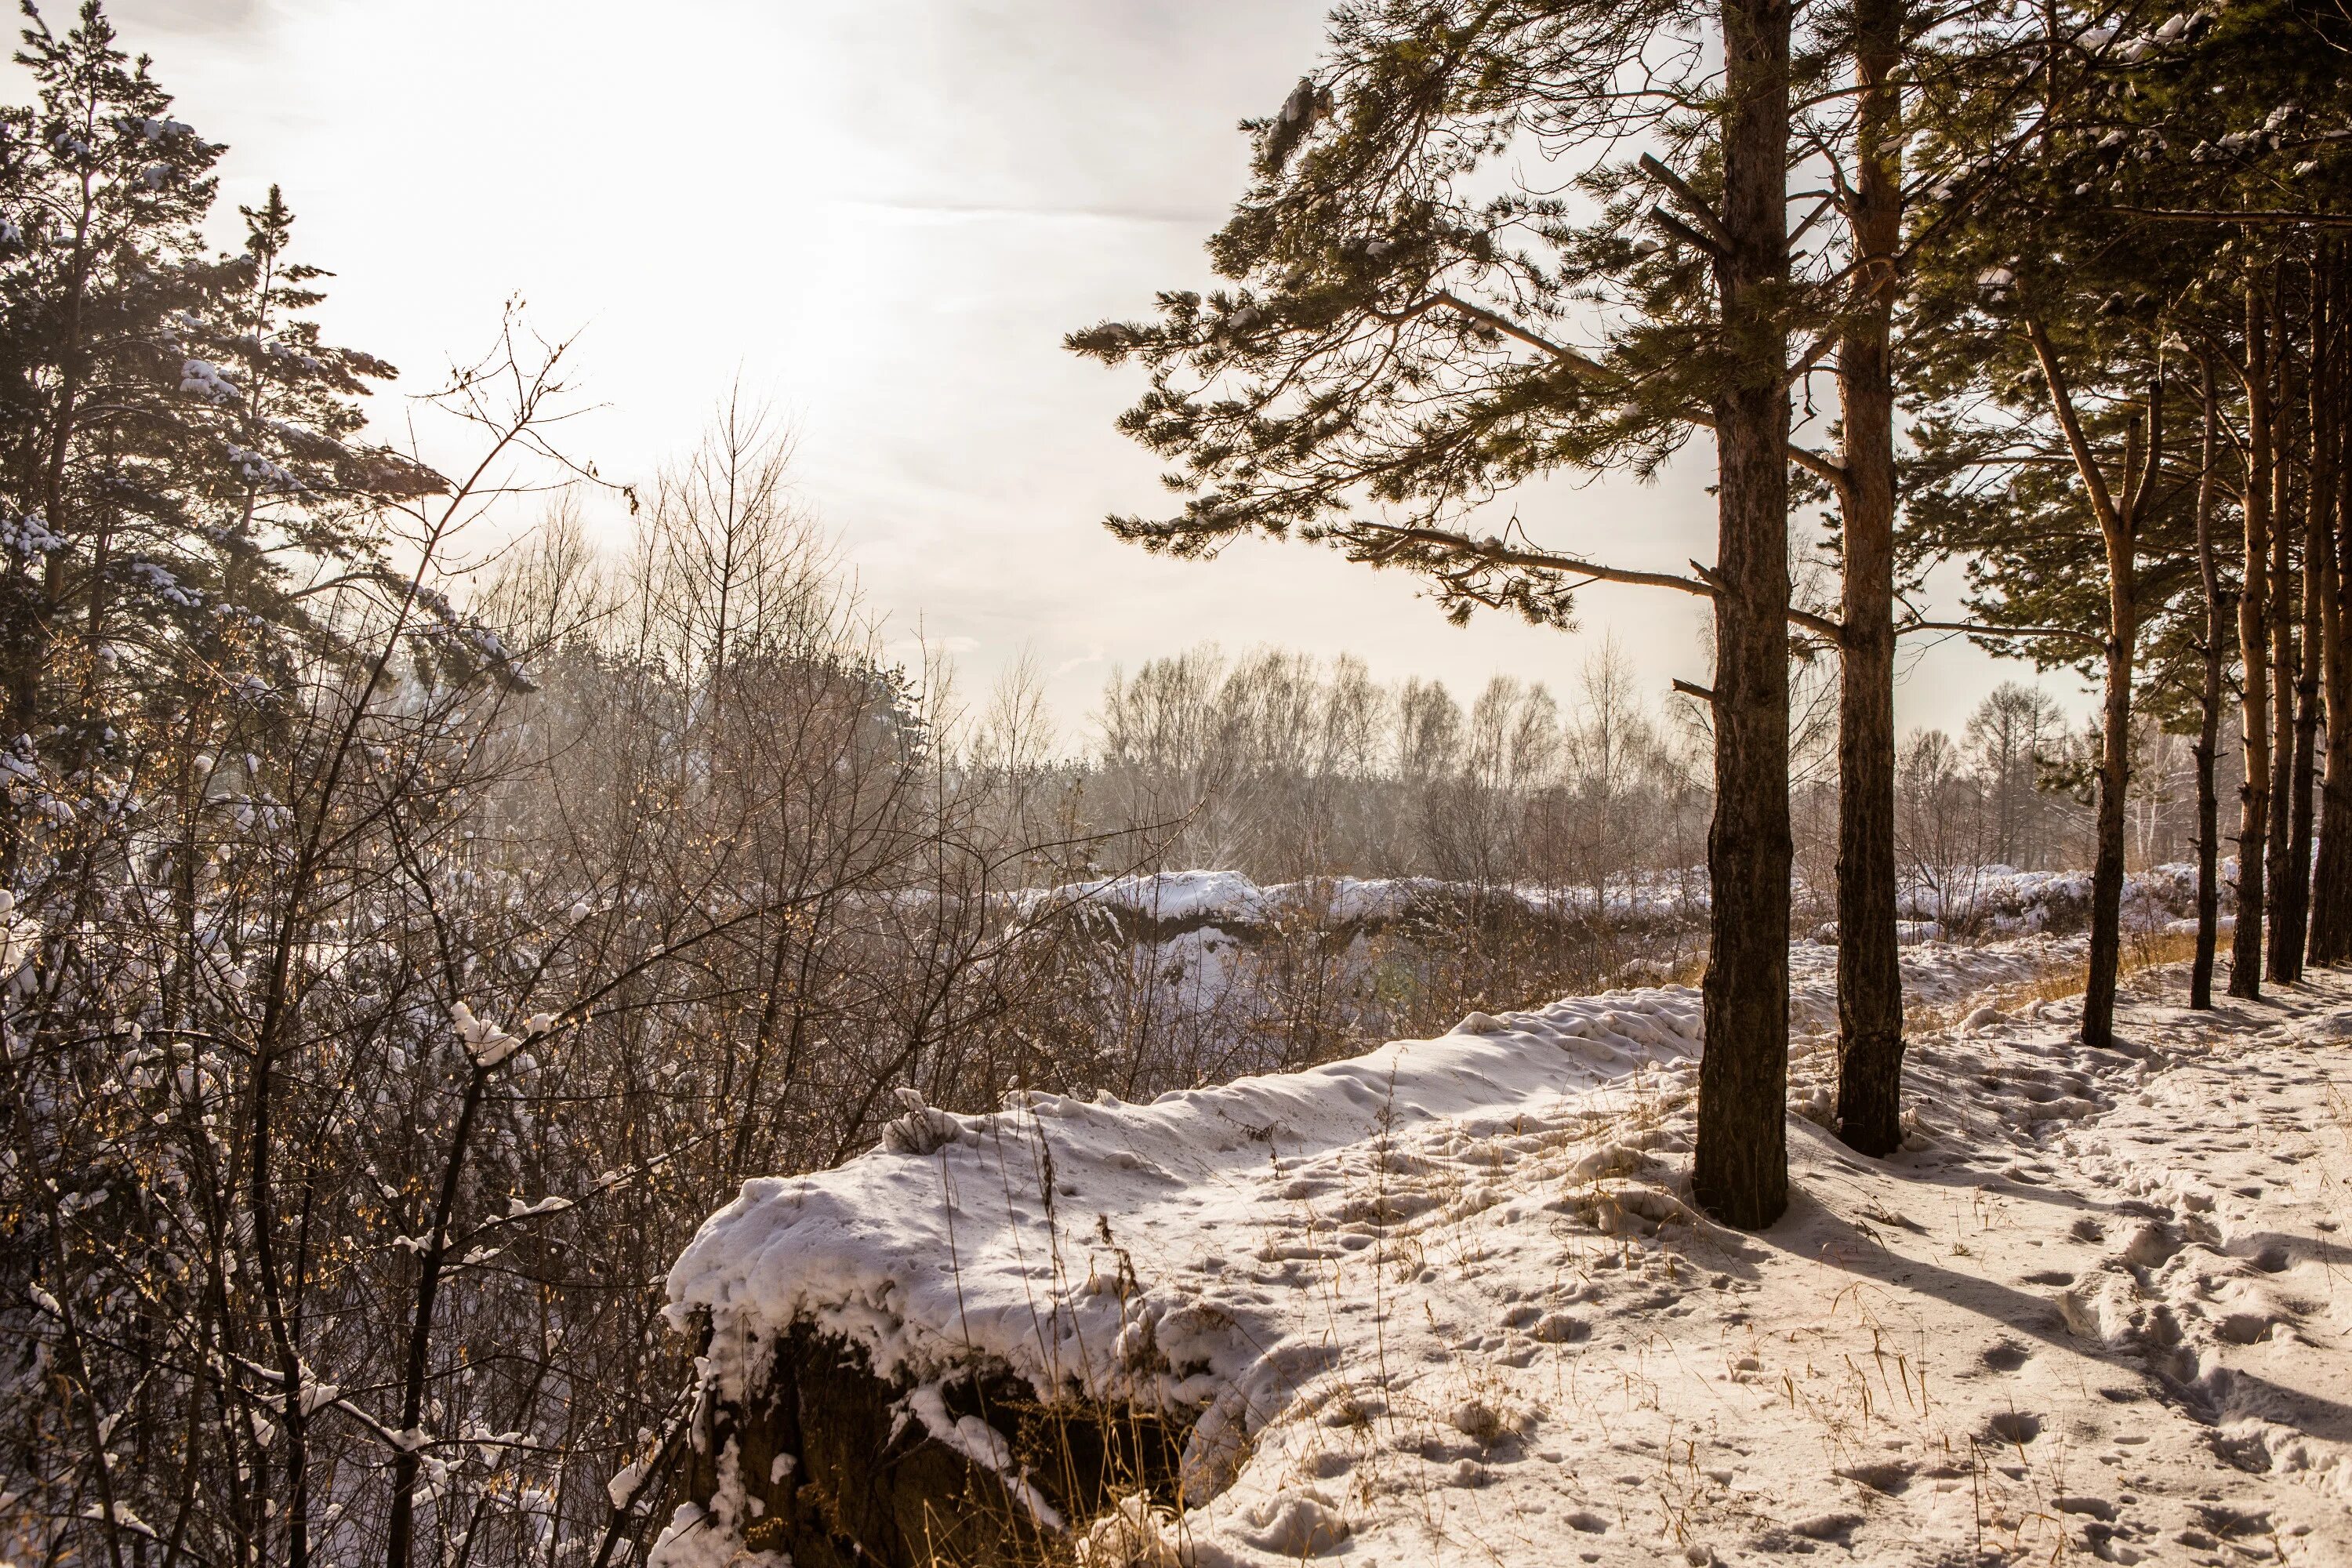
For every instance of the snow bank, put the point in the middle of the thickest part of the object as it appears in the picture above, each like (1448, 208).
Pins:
(977, 1234)
(1070, 1243)
(981, 1238)
(2002, 901)
(1996, 901)
(1230, 900)
(1445, 1302)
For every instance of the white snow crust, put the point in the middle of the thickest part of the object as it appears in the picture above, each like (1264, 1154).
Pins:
(2003, 901)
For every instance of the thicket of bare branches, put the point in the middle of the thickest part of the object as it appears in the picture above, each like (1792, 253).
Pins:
(374, 1035)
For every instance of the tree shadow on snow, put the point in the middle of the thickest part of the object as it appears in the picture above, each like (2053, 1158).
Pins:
(1817, 1234)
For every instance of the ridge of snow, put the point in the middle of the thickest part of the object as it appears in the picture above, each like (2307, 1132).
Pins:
(982, 1245)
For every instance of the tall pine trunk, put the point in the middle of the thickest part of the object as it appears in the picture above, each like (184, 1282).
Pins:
(2255, 656)
(2118, 512)
(1869, 974)
(2282, 958)
(2331, 887)
(2317, 545)
(2209, 707)
(1741, 1173)
(2115, 780)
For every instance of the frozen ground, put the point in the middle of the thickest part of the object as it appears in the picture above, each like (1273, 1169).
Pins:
(1444, 1303)
(1982, 900)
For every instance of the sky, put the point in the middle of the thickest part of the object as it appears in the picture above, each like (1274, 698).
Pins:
(881, 216)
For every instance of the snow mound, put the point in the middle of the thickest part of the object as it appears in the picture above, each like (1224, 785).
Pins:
(1045, 1238)
(1935, 903)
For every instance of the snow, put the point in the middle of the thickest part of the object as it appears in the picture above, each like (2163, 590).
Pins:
(1230, 899)
(28, 536)
(2002, 900)
(1445, 1302)
(489, 1046)
(208, 381)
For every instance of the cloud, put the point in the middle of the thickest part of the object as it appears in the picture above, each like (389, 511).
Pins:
(187, 17)
(911, 651)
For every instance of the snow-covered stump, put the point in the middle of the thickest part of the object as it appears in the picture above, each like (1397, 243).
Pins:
(827, 1464)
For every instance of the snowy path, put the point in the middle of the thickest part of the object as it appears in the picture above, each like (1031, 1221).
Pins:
(2100, 1305)
(2049, 1327)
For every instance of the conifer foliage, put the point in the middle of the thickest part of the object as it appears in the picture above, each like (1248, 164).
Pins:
(1487, 243)
(177, 446)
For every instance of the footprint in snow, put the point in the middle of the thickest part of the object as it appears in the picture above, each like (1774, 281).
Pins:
(2243, 1328)
(2013, 1426)
(2272, 1258)
(2150, 1246)
(1827, 1526)
(2005, 1355)
(1892, 1478)
(2096, 1508)
(1560, 1328)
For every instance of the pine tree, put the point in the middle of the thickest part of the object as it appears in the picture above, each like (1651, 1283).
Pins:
(2085, 264)
(1402, 346)
(180, 457)
(1869, 193)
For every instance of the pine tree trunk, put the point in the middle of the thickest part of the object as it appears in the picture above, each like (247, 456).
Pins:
(2279, 958)
(2208, 712)
(2253, 652)
(2114, 779)
(1741, 1173)
(2254, 657)
(1869, 974)
(2296, 906)
(2296, 924)
(2331, 888)
(2118, 511)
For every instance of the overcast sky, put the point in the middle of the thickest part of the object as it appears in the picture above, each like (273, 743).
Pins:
(885, 214)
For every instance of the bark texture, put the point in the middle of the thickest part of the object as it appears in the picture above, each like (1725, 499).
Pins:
(2115, 780)
(2331, 888)
(2209, 708)
(1869, 976)
(2254, 657)
(2317, 547)
(2282, 960)
(1741, 1161)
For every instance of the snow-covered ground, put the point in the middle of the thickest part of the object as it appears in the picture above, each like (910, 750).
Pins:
(1232, 899)
(1992, 901)
(1995, 900)
(1445, 1302)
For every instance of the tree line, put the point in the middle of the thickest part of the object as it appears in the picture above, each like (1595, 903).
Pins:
(2069, 275)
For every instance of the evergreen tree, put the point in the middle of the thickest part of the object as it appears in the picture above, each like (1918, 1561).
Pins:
(181, 460)
(2076, 272)
(1404, 343)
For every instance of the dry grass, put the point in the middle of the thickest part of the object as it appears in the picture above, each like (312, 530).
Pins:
(2143, 952)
